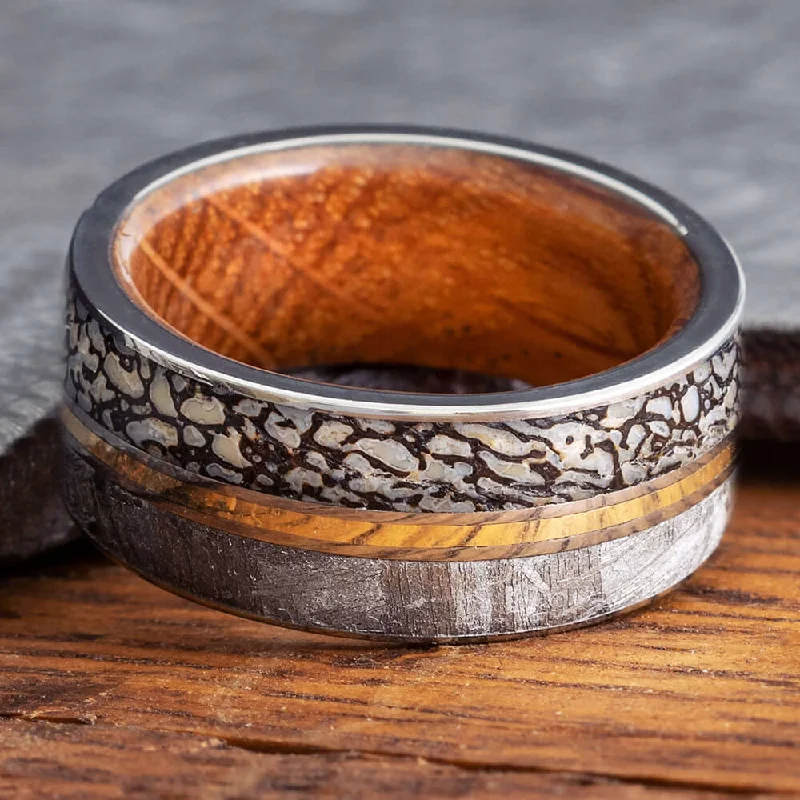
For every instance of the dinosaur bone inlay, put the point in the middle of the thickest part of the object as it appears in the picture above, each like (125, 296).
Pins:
(397, 465)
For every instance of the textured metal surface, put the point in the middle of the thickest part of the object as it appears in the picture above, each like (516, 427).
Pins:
(421, 601)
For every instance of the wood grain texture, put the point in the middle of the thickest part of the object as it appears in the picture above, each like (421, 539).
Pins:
(701, 692)
(90, 762)
(406, 254)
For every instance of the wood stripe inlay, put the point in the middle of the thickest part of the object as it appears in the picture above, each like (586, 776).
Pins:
(421, 536)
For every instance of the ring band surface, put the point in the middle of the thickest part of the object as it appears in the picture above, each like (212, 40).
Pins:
(425, 517)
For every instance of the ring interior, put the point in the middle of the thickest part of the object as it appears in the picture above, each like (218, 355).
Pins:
(437, 257)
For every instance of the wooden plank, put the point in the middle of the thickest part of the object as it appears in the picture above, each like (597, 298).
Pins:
(700, 691)
(85, 762)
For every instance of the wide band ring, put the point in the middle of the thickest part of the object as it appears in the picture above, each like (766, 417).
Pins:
(200, 282)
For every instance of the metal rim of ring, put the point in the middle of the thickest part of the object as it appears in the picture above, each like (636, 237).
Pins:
(716, 317)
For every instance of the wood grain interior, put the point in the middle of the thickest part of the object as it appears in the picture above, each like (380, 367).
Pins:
(400, 254)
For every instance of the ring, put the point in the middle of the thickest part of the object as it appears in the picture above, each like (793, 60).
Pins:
(203, 287)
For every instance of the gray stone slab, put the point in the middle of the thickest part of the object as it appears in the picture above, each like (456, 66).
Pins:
(700, 98)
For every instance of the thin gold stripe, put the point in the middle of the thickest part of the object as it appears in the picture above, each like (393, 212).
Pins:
(458, 553)
(567, 525)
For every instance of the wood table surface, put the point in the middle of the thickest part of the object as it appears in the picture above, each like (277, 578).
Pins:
(110, 687)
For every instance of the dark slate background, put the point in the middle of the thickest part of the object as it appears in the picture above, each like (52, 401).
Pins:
(701, 98)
